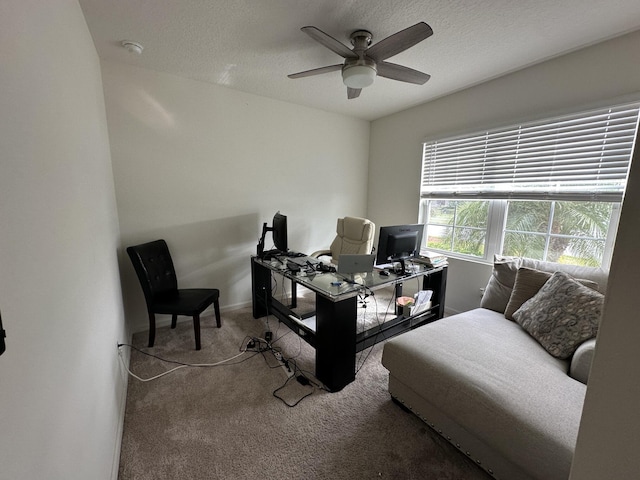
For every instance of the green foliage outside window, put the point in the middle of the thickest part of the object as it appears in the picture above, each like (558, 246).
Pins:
(576, 231)
(458, 226)
(557, 231)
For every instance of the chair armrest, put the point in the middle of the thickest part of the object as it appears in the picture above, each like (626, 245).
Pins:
(581, 361)
(320, 253)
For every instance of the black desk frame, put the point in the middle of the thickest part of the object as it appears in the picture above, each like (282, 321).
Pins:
(335, 337)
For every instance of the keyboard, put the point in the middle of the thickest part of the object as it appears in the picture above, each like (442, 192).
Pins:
(292, 254)
(302, 261)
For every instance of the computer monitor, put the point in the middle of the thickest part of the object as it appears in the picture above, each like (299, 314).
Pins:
(399, 242)
(278, 231)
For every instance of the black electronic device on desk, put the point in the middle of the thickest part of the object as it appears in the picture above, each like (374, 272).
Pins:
(293, 267)
(278, 231)
(321, 267)
(398, 243)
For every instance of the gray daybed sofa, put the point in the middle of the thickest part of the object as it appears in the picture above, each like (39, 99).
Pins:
(496, 381)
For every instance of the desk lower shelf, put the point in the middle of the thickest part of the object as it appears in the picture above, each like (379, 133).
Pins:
(305, 326)
(393, 327)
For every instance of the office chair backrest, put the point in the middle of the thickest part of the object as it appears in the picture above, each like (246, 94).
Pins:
(154, 267)
(354, 235)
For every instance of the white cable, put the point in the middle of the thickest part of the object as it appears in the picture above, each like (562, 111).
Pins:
(178, 367)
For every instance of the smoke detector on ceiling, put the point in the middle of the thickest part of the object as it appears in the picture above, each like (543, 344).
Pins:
(132, 47)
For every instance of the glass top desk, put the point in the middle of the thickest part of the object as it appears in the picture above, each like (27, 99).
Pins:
(334, 335)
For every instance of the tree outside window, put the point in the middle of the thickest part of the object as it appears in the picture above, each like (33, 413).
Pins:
(556, 231)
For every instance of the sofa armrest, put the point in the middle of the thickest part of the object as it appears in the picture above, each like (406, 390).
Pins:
(581, 361)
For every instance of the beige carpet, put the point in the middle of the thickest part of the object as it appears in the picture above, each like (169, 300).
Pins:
(225, 422)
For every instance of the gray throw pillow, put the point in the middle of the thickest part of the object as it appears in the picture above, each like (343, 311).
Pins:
(528, 282)
(498, 290)
(563, 314)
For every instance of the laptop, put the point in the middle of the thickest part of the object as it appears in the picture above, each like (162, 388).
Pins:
(350, 263)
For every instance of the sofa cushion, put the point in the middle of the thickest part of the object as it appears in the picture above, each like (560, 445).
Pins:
(528, 282)
(498, 383)
(498, 290)
(500, 285)
(598, 275)
(562, 315)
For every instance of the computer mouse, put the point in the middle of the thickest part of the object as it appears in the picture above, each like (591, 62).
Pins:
(384, 273)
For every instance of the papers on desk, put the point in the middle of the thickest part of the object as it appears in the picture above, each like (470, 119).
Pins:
(431, 259)
(420, 302)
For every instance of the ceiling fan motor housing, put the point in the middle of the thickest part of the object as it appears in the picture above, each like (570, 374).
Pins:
(361, 39)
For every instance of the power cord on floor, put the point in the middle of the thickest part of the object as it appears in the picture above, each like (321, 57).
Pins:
(180, 364)
(303, 377)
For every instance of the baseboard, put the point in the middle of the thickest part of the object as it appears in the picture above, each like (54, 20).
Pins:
(450, 311)
(126, 356)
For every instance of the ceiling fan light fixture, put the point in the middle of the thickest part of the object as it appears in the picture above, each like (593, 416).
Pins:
(358, 76)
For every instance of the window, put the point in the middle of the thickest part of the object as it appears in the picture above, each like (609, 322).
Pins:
(457, 226)
(549, 190)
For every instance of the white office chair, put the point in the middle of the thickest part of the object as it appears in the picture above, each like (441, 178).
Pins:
(354, 236)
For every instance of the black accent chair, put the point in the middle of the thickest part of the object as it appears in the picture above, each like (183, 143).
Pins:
(154, 267)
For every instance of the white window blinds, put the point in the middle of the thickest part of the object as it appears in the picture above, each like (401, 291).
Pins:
(584, 156)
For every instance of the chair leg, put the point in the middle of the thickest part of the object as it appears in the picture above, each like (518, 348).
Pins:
(174, 320)
(216, 307)
(196, 330)
(152, 329)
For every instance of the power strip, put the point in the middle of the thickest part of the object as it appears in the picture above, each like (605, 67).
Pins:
(283, 363)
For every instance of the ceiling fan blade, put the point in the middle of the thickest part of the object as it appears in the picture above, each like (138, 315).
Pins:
(401, 73)
(316, 71)
(353, 92)
(329, 42)
(399, 42)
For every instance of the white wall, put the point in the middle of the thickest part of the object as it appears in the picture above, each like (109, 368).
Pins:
(608, 441)
(61, 386)
(583, 78)
(203, 167)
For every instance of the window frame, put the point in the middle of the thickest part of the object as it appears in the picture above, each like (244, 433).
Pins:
(496, 229)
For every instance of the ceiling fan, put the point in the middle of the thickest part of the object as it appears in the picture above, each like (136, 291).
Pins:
(364, 62)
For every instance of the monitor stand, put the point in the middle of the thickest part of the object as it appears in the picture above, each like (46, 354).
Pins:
(403, 269)
(261, 254)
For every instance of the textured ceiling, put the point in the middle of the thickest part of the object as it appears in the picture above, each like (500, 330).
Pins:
(251, 45)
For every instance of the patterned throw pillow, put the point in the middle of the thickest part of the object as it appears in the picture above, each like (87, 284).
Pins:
(562, 315)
